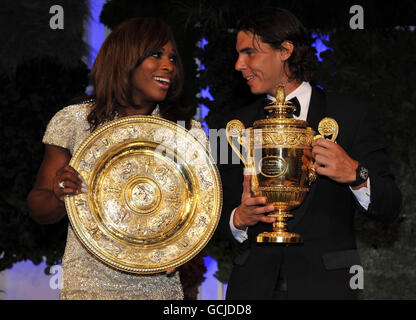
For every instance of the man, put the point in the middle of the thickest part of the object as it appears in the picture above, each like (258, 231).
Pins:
(274, 48)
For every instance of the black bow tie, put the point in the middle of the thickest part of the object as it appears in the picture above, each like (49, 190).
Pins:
(294, 101)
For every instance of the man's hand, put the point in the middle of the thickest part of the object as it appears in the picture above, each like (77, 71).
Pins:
(332, 161)
(252, 209)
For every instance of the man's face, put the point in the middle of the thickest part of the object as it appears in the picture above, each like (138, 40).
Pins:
(260, 64)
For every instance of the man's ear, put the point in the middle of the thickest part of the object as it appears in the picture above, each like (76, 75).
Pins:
(286, 50)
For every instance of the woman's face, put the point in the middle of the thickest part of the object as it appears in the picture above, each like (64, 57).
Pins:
(153, 77)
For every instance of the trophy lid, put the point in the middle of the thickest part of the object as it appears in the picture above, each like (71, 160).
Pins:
(280, 112)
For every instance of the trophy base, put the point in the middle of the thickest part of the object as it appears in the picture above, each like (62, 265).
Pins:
(279, 237)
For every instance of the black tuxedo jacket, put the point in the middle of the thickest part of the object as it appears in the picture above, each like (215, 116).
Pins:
(319, 268)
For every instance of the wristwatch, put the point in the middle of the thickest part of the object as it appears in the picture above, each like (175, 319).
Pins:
(361, 175)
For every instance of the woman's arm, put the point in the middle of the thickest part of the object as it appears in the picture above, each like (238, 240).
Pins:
(46, 199)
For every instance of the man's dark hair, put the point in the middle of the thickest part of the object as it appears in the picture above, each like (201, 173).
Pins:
(274, 26)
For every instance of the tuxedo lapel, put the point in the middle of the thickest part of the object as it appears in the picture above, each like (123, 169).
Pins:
(317, 108)
(316, 112)
(252, 112)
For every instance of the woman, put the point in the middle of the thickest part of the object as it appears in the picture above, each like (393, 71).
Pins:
(137, 72)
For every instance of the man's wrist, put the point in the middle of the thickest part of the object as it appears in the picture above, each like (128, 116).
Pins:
(237, 224)
(361, 177)
(239, 235)
(363, 185)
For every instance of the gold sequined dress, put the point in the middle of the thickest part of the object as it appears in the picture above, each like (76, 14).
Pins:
(84, 276)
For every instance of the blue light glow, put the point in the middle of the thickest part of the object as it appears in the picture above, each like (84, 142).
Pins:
(209, 288)
(203, 110)
(94, 30)
(206, 94)
(319, 44)
(204, 42)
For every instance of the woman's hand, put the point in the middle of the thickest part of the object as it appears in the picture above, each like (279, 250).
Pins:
(252, 209)
(67, 182)
(55, 180)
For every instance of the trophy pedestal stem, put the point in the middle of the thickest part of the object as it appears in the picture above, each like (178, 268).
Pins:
(280, 233)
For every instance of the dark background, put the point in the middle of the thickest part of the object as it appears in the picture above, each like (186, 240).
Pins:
(41, 70)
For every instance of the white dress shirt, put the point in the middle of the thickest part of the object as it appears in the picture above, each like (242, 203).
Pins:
(303, 93)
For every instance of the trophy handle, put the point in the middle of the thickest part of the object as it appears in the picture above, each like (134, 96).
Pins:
(235, 129)
(328, 129)
(312, 175)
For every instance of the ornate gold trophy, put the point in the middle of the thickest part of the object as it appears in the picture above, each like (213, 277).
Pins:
(154, 197)
(279, 159)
